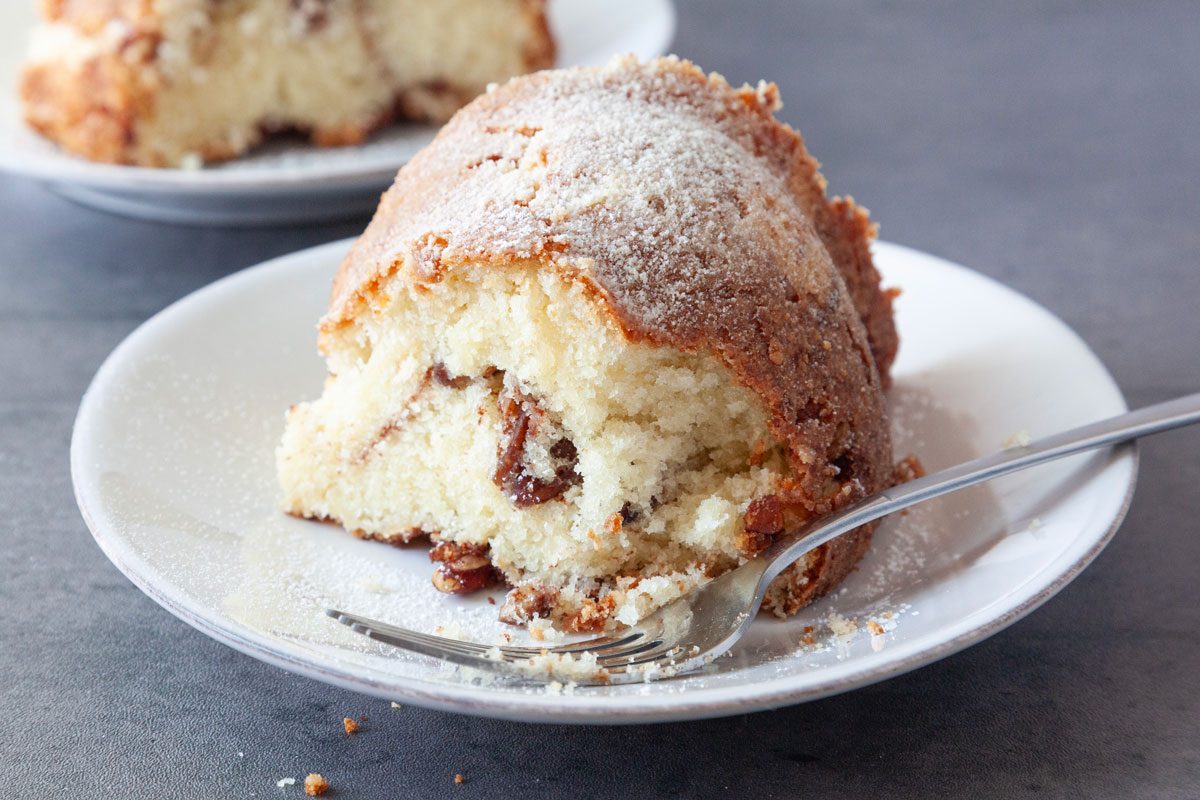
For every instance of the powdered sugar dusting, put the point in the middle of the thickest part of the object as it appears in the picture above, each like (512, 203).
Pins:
(649, 177)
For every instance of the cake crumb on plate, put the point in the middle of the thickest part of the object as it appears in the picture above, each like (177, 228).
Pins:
(841, 626)
(1020, 438)
(315, 785)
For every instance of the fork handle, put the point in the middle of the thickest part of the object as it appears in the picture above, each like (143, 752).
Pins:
(1122, 428)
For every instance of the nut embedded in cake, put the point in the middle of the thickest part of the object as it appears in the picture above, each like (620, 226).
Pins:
(604, 339)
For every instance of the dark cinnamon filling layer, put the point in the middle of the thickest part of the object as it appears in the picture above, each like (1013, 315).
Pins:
(521, 420)
(440, 375)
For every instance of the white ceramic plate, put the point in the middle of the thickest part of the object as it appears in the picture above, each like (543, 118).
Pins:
(287, 181)
(172, 460)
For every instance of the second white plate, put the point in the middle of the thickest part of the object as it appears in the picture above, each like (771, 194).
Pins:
(172, 460)
(288, 181)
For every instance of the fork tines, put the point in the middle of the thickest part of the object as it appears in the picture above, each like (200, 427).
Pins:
(598, 660)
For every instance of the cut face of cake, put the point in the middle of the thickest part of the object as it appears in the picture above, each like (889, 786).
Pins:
(604, 339)
(170, 82)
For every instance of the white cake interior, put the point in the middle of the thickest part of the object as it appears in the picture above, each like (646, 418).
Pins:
(666, 437)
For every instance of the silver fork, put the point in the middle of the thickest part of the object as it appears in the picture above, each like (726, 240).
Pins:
(693, 630)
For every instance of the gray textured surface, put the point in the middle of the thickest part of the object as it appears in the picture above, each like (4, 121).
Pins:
(1053, 147)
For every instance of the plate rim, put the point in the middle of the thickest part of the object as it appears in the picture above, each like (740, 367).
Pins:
(543, 708)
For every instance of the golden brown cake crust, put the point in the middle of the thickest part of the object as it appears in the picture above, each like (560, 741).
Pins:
(699, 222)
(93, 109)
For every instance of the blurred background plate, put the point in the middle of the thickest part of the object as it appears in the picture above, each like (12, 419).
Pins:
(287, 180)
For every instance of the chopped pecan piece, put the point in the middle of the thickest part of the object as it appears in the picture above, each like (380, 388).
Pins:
(763, 522)
(451, 581)
(521, 419)
(464, 567)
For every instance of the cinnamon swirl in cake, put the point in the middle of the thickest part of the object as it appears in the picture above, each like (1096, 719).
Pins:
(605, 338)
(178, 82)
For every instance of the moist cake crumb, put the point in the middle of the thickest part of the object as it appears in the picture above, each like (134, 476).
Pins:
(841, 626)
(543, 630)
(350, 725)
(908, 469)
(315, 785)
(561, 668)
(1019, 438)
